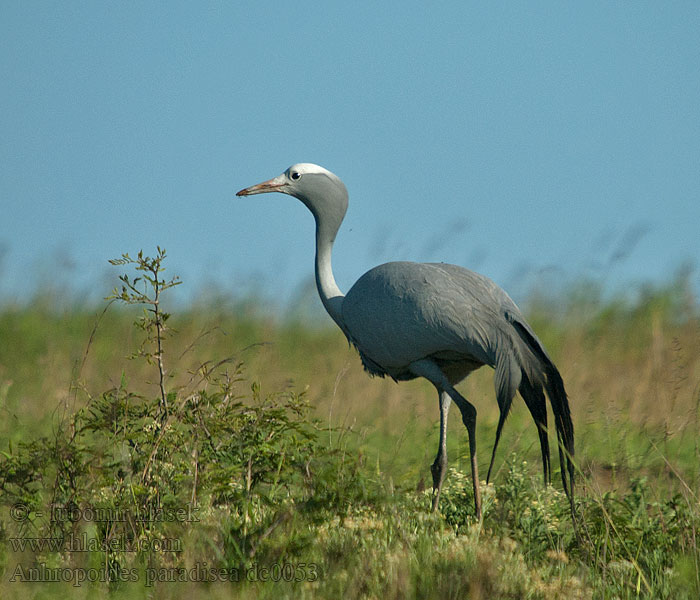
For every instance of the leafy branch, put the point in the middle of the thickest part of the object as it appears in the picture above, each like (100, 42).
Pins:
(147, 289)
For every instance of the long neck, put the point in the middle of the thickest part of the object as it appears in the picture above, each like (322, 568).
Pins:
(328, 290)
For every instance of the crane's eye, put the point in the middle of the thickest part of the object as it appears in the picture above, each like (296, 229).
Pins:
(295, 175)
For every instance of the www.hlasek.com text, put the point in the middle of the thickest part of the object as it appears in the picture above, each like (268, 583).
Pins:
(85, 543)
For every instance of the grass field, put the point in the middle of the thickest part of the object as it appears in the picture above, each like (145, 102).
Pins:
(270, 458)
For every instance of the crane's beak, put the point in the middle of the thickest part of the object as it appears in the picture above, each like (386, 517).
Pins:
(278, 184)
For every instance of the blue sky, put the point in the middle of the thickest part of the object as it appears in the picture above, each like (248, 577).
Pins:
(514, 138)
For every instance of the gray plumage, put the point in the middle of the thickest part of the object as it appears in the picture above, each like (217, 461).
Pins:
(437, 321)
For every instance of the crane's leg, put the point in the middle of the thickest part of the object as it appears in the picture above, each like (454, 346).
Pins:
(468, 411)
(428, 369)
(439, 467)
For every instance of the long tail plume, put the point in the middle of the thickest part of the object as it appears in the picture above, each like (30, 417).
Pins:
(565, 427)
(536, 403)
(533, 395)
(558, 399)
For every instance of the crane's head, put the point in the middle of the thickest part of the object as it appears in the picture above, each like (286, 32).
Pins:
(320, 190)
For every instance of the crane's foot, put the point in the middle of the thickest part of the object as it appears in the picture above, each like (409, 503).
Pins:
(438, 470)
(477, 491)
(478, 512)
(436, 500)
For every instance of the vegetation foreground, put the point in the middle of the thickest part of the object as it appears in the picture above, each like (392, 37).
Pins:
(225, 452)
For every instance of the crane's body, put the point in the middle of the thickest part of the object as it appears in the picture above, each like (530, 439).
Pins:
(437, 321)
(392, 326)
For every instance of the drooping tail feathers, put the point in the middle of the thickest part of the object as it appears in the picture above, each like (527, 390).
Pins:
(564, 426)
(534, 381)
(535, 401)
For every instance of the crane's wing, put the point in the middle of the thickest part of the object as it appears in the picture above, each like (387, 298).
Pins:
(400, 312)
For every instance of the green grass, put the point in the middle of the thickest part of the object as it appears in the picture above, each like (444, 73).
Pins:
(295, 461)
